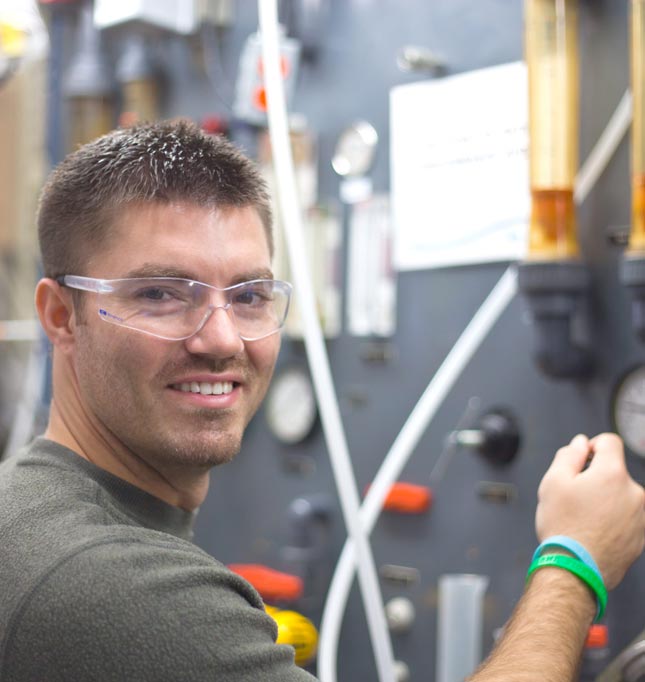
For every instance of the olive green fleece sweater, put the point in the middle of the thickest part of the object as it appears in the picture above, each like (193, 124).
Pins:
(99, 581)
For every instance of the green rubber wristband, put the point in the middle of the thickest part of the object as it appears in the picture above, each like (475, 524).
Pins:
(581, 570)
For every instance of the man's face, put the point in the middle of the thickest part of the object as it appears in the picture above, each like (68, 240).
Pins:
(130, 383)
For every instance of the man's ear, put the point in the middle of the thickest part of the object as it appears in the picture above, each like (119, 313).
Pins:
(56, 313)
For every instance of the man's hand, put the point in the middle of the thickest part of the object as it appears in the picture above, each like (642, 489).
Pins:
(587, 495)
(600, 506)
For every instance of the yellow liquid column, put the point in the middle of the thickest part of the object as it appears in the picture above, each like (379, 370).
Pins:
(140, 101)
(138, 76)
(88, 85)
(633, 265)
(90, 117)
(553, 279)
(551, 40)
(637, 235)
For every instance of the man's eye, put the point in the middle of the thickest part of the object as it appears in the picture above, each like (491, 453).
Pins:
(153, 294)
(156, 294)
(251, 297)
(246, 298)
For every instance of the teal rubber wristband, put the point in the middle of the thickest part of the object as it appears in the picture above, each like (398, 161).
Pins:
(571, 545)
(588, 576)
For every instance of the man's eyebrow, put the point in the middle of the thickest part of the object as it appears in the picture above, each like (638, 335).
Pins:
(252, 274)
(157, 270)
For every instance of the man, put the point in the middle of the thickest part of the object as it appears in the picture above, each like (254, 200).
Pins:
(159, 301)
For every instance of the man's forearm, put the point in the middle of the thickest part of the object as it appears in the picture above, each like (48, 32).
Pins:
(544, 638)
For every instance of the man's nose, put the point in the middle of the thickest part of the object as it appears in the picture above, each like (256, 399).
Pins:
(217, 335)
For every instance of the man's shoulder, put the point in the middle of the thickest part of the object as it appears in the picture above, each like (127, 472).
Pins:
(120, 563)
(51, 495)
(65, 539)
(145, 608)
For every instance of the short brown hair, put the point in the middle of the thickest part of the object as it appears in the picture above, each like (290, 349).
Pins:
(152, 162)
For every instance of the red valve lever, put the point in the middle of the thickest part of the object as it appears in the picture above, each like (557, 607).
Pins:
(408, 498)
(271, 584)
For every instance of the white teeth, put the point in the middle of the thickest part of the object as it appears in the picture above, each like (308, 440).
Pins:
(206, 388)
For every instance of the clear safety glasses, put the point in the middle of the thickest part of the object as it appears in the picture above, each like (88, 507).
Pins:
(173, 308)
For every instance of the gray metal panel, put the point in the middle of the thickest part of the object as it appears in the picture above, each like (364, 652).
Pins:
(245, 516)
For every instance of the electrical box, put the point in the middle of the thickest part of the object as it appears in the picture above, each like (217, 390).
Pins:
(180, 16)
(250, 95)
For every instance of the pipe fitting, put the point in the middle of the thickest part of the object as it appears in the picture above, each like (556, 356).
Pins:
(632, 275)
(305, 513)
(309, 523)
(556, 293)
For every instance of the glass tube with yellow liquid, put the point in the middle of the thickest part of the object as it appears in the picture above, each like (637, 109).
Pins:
(137, 74)
(140, 101)
(637, 235)
(551, 40)
(90, 117)
(88, 84)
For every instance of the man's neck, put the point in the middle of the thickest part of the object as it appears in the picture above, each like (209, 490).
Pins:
(186, 490)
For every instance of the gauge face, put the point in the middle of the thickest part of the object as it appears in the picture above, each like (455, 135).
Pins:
(628, 410)
(355, 150)
(291, 406)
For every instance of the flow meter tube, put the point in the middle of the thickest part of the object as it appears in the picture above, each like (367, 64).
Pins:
(87, 84)
(90, 117)
(553, 279)
(551, 40)
(633, 265)
(637, 235)
(140, 100)
(137, 74)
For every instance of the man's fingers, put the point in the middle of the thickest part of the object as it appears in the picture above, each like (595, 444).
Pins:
(606, 448)
(580, 442)
(573, 457)
(609, 442)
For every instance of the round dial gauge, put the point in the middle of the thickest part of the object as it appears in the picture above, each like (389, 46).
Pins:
(355, 150)
(291, 406)
(628, 410)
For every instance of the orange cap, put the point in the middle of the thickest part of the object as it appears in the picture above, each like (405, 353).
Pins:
(597, 637)
(271, 584)
(408, 498)
(260, 98)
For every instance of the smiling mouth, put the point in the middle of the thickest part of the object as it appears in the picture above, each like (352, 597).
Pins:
(205, 387)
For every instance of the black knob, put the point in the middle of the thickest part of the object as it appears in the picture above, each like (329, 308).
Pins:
(500, 440)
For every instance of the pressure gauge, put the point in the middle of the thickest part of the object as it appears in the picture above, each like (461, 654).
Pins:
(628, 410)
(355, 150)
(291, 406)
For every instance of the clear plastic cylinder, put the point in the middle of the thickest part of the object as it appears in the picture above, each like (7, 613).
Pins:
(551, 43)
(637, 20)
(460, 623)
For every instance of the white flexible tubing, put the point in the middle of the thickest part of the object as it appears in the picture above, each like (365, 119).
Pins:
(22, 429)
(314, 344)
(435, 394)
(604, 149)
(397, 457)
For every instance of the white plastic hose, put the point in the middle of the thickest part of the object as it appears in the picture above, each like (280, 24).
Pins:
(604, 149)
(435, 394)
(399, 454)
(22, 428)
(314, 343)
